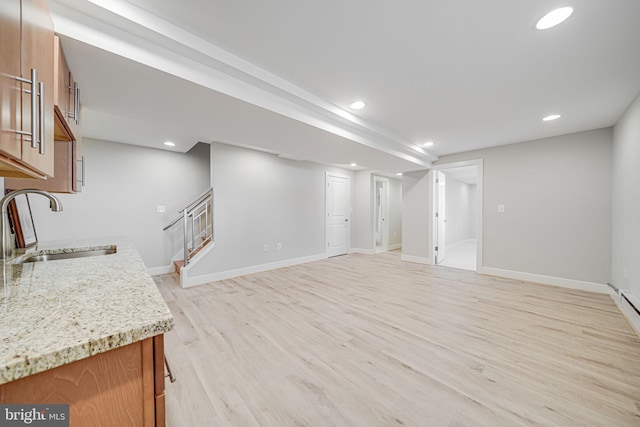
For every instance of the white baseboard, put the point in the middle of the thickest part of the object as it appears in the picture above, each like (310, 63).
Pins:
(417, 259)
(362, 251)
(374, 250)
(161, 270)
(171, 267)
(548, 280)
(627, 310)
(187, 282)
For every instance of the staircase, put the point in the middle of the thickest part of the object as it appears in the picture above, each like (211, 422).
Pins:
(197, 222)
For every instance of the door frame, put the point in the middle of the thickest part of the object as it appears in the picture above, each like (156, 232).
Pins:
(328, 174)
(479, 203)
(385, 225)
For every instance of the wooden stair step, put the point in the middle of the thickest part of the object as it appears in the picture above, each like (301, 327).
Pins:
(192, 253)
(178, 265)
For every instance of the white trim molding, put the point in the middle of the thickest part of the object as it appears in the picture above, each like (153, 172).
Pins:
(187, 282)
(134, 33)
(600, 288)
(627, 310)
(362, 251)
(155, 271)
(416, 259)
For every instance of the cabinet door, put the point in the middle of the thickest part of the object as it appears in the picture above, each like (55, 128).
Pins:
(10, 141)
(75, 108)
(61, 77)
(63, 179)
(37, 52)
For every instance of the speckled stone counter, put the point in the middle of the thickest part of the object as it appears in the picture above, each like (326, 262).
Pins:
(56, 312)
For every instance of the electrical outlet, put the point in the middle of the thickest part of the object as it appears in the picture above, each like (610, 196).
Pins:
(279, 245)
(161, 209)
(266, 248)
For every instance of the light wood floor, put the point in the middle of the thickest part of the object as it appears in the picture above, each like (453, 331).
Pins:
(369, 340)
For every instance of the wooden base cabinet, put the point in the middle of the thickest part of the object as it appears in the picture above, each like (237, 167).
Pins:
(119, 388)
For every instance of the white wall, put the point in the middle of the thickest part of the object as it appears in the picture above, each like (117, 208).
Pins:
(363, 215)
(557, 197)
(460, 205)
(625, 262)
(415, 216)
(395, 213)
(124, 186)
(263, 199)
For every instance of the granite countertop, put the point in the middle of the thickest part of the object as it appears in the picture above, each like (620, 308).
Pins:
(56, 312)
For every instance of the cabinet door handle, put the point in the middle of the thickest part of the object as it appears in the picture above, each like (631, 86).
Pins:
(34, 107)
(76, 108)
(41, 116)
(76, 103)
(82, 170)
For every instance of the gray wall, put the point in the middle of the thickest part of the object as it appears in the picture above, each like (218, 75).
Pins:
(557, 195)
(395, 212)
(362, 220)
(460, 210)
(626, 201)
(263, 199)
(415, 215)
(124, 186)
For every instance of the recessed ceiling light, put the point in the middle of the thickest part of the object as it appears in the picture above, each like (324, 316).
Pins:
(353, 165)
(554, 18)
(551, 117)
(169, 144)
(429, 144)
(357, 105)
(399, 174)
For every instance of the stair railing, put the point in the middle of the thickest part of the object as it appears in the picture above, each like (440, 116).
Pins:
(197, 220)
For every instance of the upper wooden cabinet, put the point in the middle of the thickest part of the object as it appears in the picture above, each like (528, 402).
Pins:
(66, 98)
(10, 98)
(26, 108)
(69, 163)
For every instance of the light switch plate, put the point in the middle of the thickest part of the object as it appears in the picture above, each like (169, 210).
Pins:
(500, 208)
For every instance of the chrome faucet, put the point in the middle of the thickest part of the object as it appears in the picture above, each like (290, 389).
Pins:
(5, 247)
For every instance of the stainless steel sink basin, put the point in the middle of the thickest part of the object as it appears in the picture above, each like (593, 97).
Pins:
(68, 255)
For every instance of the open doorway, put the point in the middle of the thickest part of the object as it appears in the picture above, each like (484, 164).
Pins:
(457, 215)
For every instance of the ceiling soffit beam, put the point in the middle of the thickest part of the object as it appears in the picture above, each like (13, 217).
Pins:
(130, 32)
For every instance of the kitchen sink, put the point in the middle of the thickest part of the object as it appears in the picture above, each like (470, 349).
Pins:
(56, 255)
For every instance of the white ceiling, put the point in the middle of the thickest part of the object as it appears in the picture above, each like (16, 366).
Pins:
(279, 75)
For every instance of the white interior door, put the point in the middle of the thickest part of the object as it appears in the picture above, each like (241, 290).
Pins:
(441, 181)
(337, 204)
